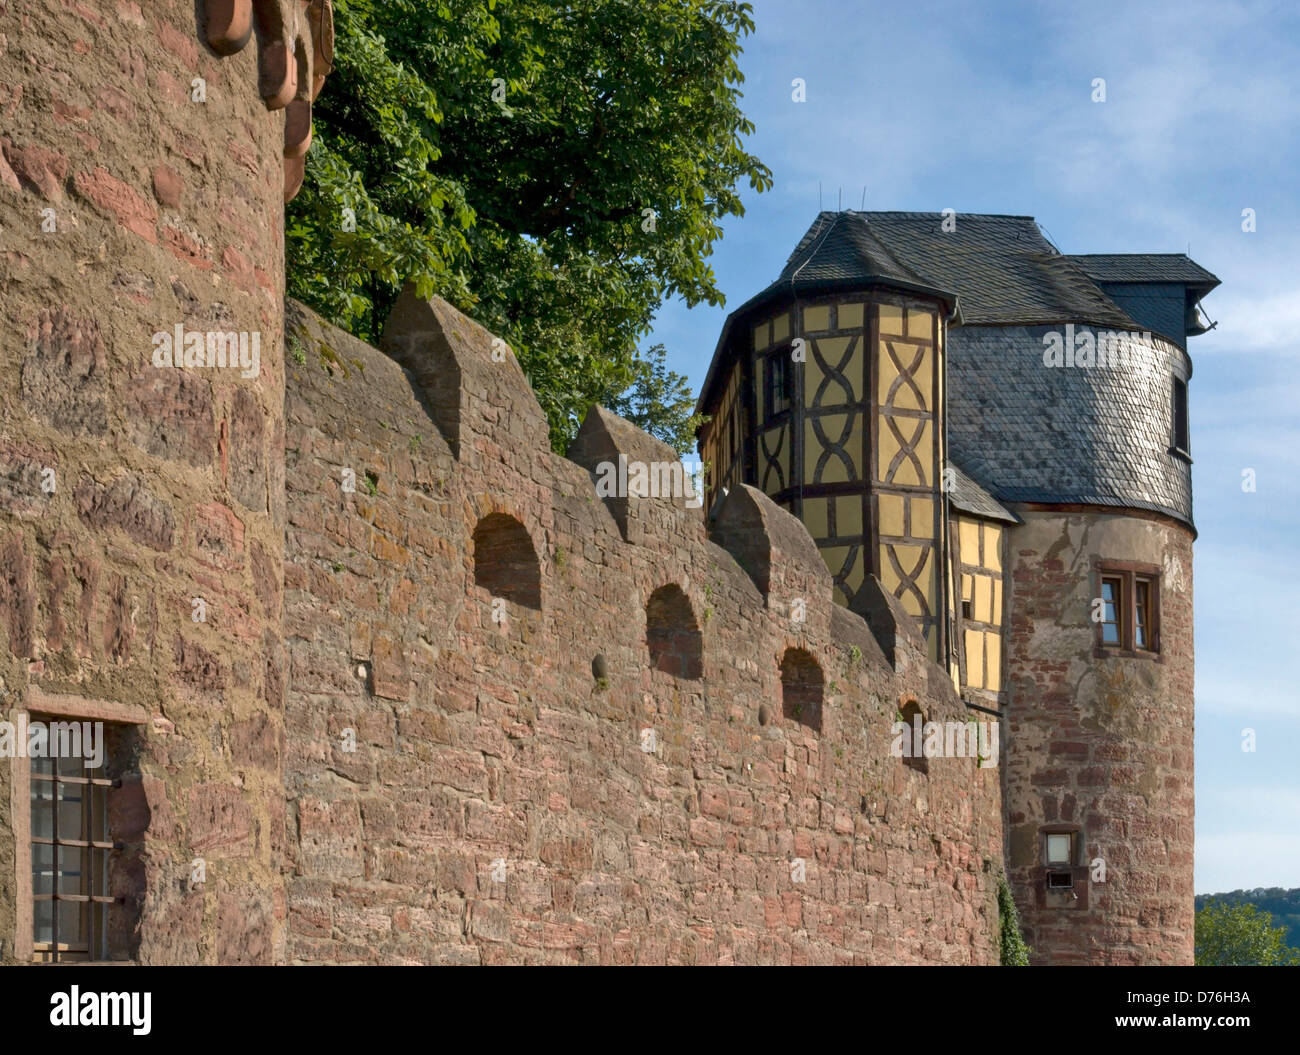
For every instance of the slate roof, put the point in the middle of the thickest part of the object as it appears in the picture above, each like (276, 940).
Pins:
(1064, 436)
(970, 497)
(1001, 268)
(843, 247)
(995, 270)
(1146, 267)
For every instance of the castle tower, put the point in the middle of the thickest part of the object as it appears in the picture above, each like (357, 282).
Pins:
(826, 392)
(1060, 598)
(142, 183)
(1099, 705)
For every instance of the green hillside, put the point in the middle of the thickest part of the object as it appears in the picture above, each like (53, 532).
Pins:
(1283, 905)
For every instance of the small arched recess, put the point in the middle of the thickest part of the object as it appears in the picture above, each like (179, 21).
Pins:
(673, 634)
(505, 562)
(802, 688)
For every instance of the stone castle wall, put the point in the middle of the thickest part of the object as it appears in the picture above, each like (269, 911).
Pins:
(603, 726)
(481, 742)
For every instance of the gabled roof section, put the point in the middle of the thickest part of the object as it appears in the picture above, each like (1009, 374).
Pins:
(1002, 268)
(1146, 267)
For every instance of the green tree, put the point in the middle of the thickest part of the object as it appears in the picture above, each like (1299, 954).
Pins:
(1283, 905)
(1240, 935)
(554, 170)
(659, 401)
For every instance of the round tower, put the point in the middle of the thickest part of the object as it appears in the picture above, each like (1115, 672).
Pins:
(142, 183)
(1098, 700)
(1048, 394)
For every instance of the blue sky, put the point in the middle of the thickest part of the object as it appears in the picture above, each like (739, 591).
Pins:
(988, 108)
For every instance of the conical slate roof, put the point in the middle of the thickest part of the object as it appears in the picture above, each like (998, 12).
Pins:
(841, 246)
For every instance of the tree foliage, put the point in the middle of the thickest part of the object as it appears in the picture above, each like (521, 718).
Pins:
(554, 170)
(1282, 904)
(659, 401)
(1240, 935)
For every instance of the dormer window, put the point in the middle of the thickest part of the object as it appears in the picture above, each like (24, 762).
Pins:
(1181, 441)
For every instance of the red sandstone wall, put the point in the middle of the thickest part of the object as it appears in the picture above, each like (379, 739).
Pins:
(169, 484)
(1105, 743)
(477, 741)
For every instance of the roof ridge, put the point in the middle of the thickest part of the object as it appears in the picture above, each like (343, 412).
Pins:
(887, 251)
(812, 251)
(939, 212)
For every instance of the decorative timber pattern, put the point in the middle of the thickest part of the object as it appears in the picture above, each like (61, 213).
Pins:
(834, 449)
(907, 458)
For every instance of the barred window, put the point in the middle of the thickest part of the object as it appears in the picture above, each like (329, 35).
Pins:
(70, 848)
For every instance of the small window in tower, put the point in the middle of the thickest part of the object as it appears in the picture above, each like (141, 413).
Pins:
(70, 860)
(780, 383)
(1182, 442)
(1060, 880)
(1112, 591)
(1060, 848)
(1127, 611)
(82, 898)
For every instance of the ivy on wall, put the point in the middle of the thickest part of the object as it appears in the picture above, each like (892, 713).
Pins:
(1015, 953)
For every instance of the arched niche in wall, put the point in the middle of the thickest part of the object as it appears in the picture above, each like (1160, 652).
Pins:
(802, 688)
(673, 634)
(505, 562)
(914, 758)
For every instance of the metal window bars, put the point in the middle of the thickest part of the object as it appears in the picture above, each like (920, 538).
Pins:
(70, 846)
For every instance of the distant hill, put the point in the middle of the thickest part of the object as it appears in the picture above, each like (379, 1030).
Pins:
(1283, 905)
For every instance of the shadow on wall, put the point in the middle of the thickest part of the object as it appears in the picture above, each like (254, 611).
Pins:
(505, 563)
(673, 635)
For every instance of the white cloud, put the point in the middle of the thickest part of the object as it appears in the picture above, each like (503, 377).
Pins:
(1252, 321)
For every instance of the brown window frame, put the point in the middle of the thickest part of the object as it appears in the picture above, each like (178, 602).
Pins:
(1117, 603)
(1143, 611)
(1129, 574)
